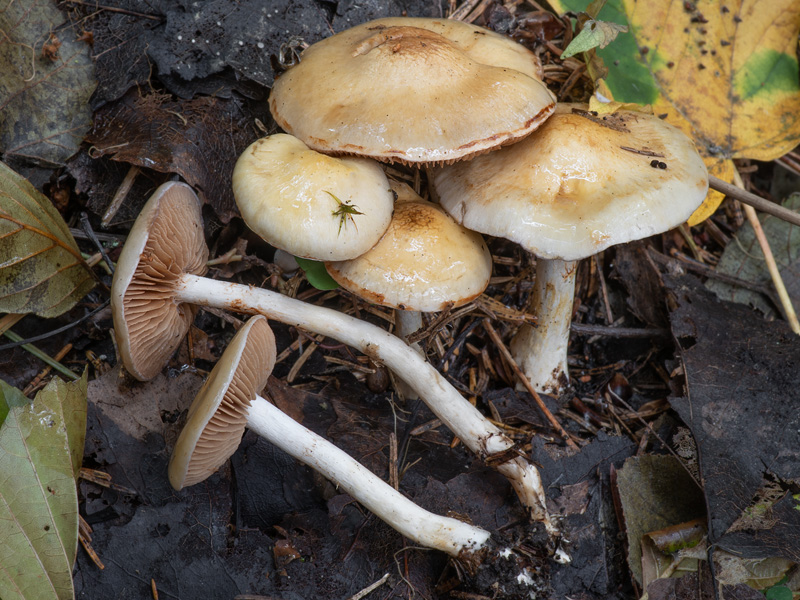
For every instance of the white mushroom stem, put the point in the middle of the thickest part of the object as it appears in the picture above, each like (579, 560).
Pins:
(433, 531)
(407, 322)
(541, 352)
(464, 420)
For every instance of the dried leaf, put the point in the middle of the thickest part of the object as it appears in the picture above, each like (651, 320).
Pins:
(740, 370)
(726, 75)
(40, 445)
(45, 84)
(655, 492)
(41, 268)
(595, 34)
(744, 259)
(200, 139)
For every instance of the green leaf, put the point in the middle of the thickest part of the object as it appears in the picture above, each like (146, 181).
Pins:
(316, 274)
(44, 96)
(595, 34)
(39, 448)
(10, 397)
(778, 592)
(41, 268)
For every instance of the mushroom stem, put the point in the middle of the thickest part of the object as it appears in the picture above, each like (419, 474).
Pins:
(407, 322)
(541, 352)
(433, 531)
(464, 420)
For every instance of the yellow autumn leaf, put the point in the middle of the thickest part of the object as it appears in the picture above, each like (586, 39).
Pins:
(726, 73)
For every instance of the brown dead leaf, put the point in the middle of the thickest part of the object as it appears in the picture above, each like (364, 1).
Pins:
(199, 139)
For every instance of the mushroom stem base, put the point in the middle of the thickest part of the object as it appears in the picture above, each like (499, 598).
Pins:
(464, 420)
(541, 351)
(455, 537)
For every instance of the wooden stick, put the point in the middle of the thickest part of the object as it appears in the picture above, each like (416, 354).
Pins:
(772, 266)
(487, 324)
(756, 202)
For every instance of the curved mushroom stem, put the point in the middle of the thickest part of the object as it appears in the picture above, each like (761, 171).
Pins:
(464, 420)
(455, 537)
(541, 352)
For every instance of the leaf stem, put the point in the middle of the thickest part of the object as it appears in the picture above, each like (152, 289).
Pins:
(42, 356)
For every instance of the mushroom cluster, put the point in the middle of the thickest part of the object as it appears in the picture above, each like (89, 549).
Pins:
(563, 182)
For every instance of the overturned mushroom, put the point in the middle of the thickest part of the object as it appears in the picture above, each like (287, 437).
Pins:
(229, 401)
(578, 185)
(155, 268)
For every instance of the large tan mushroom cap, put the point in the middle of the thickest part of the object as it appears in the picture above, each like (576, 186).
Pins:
(579, 184)
(290, 195)
(218, 415)
(425, 261)
(401, 89)
(165, 242)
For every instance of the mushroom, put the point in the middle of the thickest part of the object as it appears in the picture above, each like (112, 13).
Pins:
(424, 262)
(311, 205)
(148, 324)
(158, 266)
(578, 185)
(357, 92)
(229, 401)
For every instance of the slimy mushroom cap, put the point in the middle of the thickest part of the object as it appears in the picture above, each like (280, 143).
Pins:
(579, 184)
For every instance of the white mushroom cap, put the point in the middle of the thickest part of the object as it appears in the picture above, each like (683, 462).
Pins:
(579, 184)
(400, 89)
(300, 200)
(218, 416)
(148, 321)
(424, 262)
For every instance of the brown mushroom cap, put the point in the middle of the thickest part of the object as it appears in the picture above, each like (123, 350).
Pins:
(148, 323)
(218, 415)
(579, 184)
(425, 261)
(289, 195)
(360, 91)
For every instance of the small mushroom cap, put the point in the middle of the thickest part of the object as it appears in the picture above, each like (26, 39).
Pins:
(579, 184)
(403, 89)
(166, 241)
(218, 415)
(301, 201)
(425, 261)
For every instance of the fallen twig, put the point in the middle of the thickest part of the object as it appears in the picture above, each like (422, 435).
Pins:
(487, 325)
(772, 266)
(756, 202)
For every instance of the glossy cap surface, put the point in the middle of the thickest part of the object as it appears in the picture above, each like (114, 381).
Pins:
(425, 262)
(309, 204)
(579, 184)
